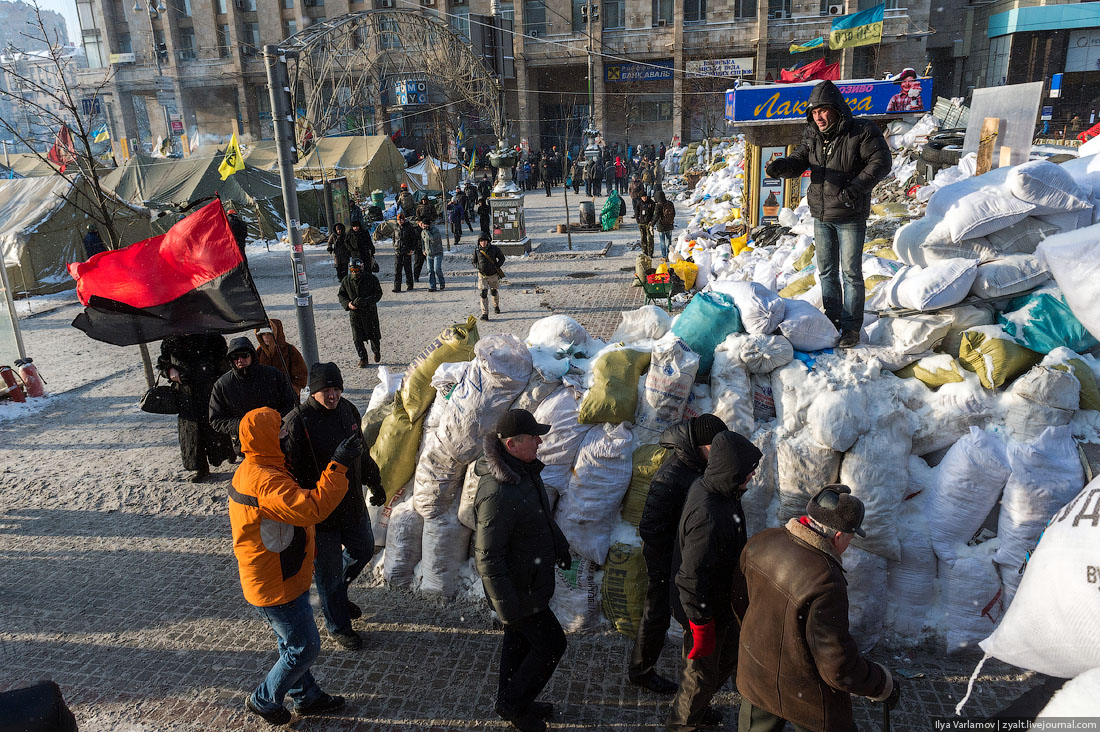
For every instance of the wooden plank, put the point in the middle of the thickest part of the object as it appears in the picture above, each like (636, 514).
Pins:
(991, 127)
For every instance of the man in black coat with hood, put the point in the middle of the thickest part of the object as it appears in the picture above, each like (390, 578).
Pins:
(689, 442)
(846, 157)
(344, 540)
(246, 386)
(710, 586)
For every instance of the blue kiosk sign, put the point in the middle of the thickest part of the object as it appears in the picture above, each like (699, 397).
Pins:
(788, 102)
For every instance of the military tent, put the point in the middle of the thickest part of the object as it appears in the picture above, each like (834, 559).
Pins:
(369, 162)
(433, 175)
(262, 156)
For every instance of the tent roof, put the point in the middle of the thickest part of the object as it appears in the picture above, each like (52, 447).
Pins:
(371, 161)
(29, 165)
(261, 155)
(425, 174)
(25, 204)
(164, 182)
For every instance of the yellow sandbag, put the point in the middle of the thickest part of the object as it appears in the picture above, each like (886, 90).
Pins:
(455, 343)
(928, 371)
(739, 243)
(874, 281)
(887, 253)
(996, 361)
(1090, 393)
(372, 422)
(797, 286)
(396, 446)
(687, 272)
(890, 209)
(614, 393)
(875, 244)
(662, 268)
(642, 263)
(646, 460)
(805, 259)
(622, 595)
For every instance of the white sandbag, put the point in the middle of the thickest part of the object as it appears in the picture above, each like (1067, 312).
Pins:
(910, 334)
(647, 323)
(1045, 475)
(939, 249)
(1053, 624)
(984, 211)
(447, 375)
(909, 238)
(763, 398)
(558, 332)
(837, 418)
(1048, 186)
(1022, 237)
(380, 515)
(438, 478)
(559, 446)
(446, 546)
(1068, 220)
(877, 471)
(947, 414)
(731, 389)
(404, 548)
(806, 327)
(1009, 275)
(466, 513)
(965, 316)
(803, 467)
(791, 396)
(866, 575)
(1049, 387)
(547, 371)
(968, 483)
(576, 600)
(970, 595)
(1077, 699)
(666, 385)
(947, 196)
(763, 354)
(762, 488)
(700, 402)
(912, 579)
(1074, 261)
(1024, 420)
(761, 309)
(388, 384)
(588, 510)
(939, 285)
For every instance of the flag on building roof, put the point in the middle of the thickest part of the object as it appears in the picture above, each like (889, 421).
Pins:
(857, 29)
(234, 160)
(814, 45)
(192, 279)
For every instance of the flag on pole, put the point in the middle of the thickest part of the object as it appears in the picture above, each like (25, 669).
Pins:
(857, 29)
(234, 160)
(192, 279)
(102, 134)
(62, 154)
(473, 162)
(814, 45)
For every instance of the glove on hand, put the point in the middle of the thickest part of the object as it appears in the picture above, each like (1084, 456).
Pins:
(348, 451)
(895, 695)
(703, 639)
(377, 495)
(769, 170)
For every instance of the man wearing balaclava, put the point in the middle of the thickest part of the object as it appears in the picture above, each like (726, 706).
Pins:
(246, 386)
(846, 157)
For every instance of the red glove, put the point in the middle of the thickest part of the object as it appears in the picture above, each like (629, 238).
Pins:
(702, 639)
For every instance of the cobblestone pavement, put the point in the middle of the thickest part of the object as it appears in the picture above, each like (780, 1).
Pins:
(119, 581)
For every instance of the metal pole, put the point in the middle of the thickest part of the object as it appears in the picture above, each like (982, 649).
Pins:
(282, 116)
(10, 304)
(591, 98)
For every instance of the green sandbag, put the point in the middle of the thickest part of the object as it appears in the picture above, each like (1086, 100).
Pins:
(928, 372)
(996, 361)
(372, 422)
(705, 323)
(1090, 392)
(455, 343)
(396, 446)
(622, 594)
(614, 393)
(646, 460)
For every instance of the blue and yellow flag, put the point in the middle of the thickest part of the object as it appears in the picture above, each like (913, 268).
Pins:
(102, 134)
(858, 29)
(814, 45)
(473, 162)
(234, 160)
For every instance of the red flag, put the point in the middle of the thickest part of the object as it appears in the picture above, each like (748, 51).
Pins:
(63, 152)
(815, 70)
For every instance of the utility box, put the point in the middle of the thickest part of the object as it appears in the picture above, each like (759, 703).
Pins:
(509, 226)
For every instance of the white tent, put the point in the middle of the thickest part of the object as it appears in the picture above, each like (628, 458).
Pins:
(426, 175)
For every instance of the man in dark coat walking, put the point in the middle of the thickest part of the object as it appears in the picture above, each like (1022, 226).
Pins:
(406, 242)
(516, 546)
(690, 443)
(797, 660)
(360, 245)
(709, 587)
(339, 249)
(359, 294)
(846, 157)
(646, 215)
(344, 540)
(246, 386)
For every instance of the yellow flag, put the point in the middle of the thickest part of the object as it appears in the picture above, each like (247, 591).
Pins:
(102, 134)
(233, 161)
(857, 29)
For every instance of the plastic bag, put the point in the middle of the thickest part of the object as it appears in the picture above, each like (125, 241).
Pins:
(587, 511)
(648, 322)
(1042, 321)
(761, 309)
(705, 322)
(731, 389)
(1074, 261)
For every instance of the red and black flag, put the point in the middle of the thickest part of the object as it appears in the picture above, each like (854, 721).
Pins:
(192, 279)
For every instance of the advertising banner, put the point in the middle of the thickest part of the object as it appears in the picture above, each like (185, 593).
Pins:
(771, 189)
(649, 71)
(742, 66)
(788, 102)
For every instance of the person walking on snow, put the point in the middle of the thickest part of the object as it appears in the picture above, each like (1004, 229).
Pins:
(338, 248)
(455, 216)
(360, 245)
(516, 546)
(485, 216)
(487, 261)
(359, 295)
(846, 157)
(406, 241)
(406, 204)
(246, 386)
(646, 215)
(433, 253)
(275, 352)
(664, 219)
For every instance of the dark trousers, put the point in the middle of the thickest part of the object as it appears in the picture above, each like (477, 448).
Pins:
(402, 263)
(755, 719)
(703, 677)
(341, 556)
(546, 181)
(647, 238)
(341, 267)
(418, 263)
(529, 653)
(456, 229)
(656, 617)
(576, 185)
(486, 226)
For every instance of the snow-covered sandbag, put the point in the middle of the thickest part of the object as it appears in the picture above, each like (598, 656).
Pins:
(866, 575)
(761, 309)
(1074, 261)
(806, 327)
(762, 488)
(984, 211)
(970, 595)
(968, 483)
(762, 354)
(963, 317)
(1024, 420)
(404, 538)
(438, 477)
(470, 483)
(1053, 623)
(910, 334)
(705, 323)
(909, 238)
(877, 471)
(730, 388)
(1010, 275)
(667, 386)
(803, 468)
(792, 395)
(1077, 699)
(700, 402)
(1048, 186)
(947, 196)
(561, 410)
(446, 546)
(588, 510)
(559, 333)
(939, 285)
(994, 355)
(1045, 475)
(1049, 387)
(647, 323)
(912, 579)
(388, 384)
(547, 370)
(1022, 237)
(837, 418)
(1043, 321)
(576, 600)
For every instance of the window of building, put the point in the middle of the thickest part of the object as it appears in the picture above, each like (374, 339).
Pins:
(662, 11)
(997, 71)
(314, 3)
(613, 14)
(695, 11)
(125, 45)
(744, 9)
(251, 35)
(223, 41)
(249, 6)
(508, 10)
(1083, 51)
(460, 21)
(579, 24)
(85, 15)
(290, 28)
(183, 7)
(288, 4)
(890, 4)
(186, 50)
(93, 49)
(534, 17)
(388, 37)
(220, 6)
(779, 8)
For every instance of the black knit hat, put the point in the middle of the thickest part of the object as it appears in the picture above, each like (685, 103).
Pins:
(704, 428)
(835, 507)
(324, 376)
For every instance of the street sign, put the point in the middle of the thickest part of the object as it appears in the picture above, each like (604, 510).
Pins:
(1055, 86)
(1047, 113)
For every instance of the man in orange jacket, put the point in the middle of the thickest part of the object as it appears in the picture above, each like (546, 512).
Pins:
(273, 518)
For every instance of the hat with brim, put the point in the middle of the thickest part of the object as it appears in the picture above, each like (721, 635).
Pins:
(836, 508)
(905, 74)
(520, 422)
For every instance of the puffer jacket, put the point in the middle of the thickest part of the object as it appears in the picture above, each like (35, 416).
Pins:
(516, 541)
(273, 517)
(796, 657)
(283, 356)
(844, 166)
(239, 391)
(668, 490)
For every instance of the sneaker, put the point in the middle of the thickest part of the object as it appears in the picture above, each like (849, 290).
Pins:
(324, 704)
(655, 683)
(362, 363)
(496, 309)
(848, 339)
(349, 641)
(354, 611)
(485, 316)
(525, 722)
(278, 716)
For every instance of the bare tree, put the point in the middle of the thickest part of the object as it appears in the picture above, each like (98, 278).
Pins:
(704, 106)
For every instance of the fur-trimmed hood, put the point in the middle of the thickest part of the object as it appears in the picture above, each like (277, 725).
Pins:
(499, 464)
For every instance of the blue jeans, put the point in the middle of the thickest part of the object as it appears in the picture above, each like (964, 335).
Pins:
(341, 556)
(839, 252)
(666, 243)
(299, 644)
(435, 270)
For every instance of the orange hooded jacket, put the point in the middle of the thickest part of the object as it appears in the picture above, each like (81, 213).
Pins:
(273, 517)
